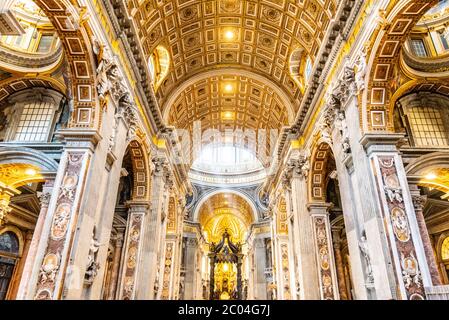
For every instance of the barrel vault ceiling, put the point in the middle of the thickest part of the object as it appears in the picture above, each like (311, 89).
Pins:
(257, 37)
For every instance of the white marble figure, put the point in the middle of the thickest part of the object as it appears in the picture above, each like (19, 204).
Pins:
(394, 194)
(361, 71)
(363, 245)
(92, 265)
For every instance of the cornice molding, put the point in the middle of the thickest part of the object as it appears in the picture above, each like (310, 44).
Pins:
(125, 31)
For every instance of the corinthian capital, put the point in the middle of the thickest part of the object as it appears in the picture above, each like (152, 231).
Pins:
(4, 210)
(419, 201)
(299, 167)
(159, 164)
(44, 198)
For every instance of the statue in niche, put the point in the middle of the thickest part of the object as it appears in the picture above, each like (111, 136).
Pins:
(181, 288)
(63, 114)
(125, 188)
(67, 77)
(342, 126)
(361, 71)
(92, 265)
(363, 245)
(264, 200)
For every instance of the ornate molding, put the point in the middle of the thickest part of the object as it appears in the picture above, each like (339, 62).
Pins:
(159, 164)
(419, 201)
(297, 167)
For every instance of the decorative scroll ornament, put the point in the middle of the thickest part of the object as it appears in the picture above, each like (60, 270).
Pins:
(167, 271)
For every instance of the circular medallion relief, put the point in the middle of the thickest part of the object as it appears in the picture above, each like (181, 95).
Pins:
(400, 224)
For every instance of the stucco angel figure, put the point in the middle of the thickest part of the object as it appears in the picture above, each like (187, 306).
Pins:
(394, 194)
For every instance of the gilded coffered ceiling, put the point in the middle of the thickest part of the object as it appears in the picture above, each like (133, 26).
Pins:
(254, 35)
(229, 102)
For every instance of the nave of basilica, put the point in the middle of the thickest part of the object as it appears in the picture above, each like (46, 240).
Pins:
(224, 149)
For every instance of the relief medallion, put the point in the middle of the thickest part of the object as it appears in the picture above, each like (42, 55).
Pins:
(400, 224)
(60, 221)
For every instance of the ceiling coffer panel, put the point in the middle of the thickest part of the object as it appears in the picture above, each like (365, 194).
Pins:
(254, 35)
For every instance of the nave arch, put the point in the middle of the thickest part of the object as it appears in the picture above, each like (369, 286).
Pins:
(398, 20)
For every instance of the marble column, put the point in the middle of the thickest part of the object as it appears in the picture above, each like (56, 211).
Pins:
(167, 283)
(418, 203)
(44, 199)
(291, 222)
(304, 240)
(152, 234)
(343, 290)
(116, 259)
(283, 267)
(191, 267)
(401, 229)
(63, 248)
(132, 255)
(319, 213)
(211, 275)
(260, 292)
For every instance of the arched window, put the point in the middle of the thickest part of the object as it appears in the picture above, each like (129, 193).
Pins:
(9, 253)
(427, 120)
(158, 65)
(35, 122)
(445, 249)
(308, 69)
(295, 63)
(226, 159)
(300, 66)
(32, 116)
(427, 126)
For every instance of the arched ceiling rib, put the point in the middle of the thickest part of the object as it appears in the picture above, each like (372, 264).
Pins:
(265, 32)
